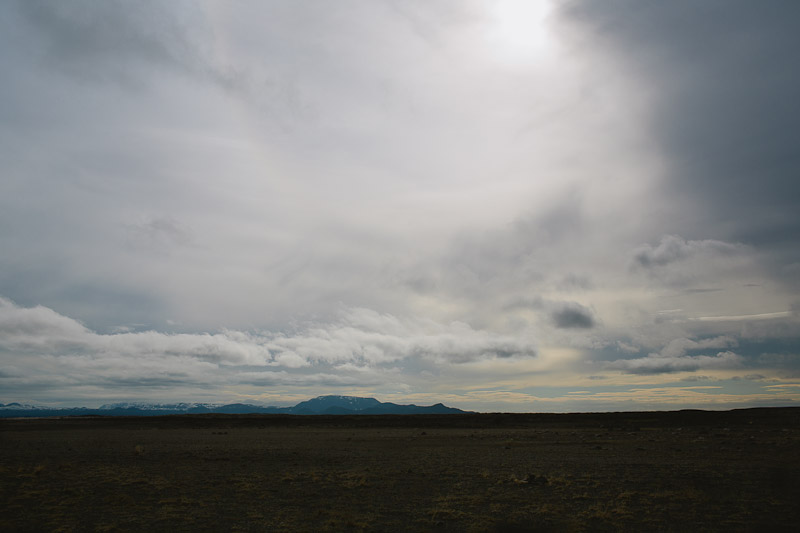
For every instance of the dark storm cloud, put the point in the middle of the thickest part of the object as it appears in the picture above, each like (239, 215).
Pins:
(564, 315)
(573, 316)
(724, 79)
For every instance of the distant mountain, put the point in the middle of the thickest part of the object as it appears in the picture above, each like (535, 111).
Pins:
(353, 405)
(158, 406)
(321, 405)
(16, 406)
(395, 409)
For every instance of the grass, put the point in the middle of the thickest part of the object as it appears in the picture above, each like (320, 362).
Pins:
(88, 475)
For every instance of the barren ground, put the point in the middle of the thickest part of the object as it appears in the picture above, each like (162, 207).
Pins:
(668, 471)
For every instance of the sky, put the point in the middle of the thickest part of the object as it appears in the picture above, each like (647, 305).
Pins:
(500, 205)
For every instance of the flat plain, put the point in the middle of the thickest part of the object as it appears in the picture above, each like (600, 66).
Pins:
(660, 471)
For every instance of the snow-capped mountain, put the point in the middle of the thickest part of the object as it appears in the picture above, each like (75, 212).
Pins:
(13, 406)
(158, 406)
(321, 405)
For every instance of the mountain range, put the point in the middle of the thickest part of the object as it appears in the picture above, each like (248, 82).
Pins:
(321, 405)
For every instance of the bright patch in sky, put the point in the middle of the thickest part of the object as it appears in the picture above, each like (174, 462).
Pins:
(517, 32)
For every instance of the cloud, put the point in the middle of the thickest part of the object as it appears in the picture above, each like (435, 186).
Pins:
(120, 42)
(679, 347)
(37, 328)
(575, 282)
(38, 345)
(573, 315)
(744, 318)
(721, 86)
(435, 217)
(692, 265)
(659, 364)
(558, 313)
(105, 41)
(674, 357)
(367, 337)
(673, 248)
(314, 381)
(159, 233)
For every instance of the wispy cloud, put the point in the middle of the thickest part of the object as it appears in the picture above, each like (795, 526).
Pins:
(741, 318)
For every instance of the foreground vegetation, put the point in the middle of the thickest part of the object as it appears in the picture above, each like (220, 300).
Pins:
(677, 471)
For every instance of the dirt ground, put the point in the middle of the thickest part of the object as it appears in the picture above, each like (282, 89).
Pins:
(669, 471)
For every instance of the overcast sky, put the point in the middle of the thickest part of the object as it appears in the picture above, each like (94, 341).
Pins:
(499, 205)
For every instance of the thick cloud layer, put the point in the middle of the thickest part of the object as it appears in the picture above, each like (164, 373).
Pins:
(46, 352)
(493, 205)
(722, 80)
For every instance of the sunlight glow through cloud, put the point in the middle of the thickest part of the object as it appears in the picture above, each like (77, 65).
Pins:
(518, 33)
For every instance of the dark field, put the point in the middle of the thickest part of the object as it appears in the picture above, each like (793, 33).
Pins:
(667, 471)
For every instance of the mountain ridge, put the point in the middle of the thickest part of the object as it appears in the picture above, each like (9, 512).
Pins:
(321, 405)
